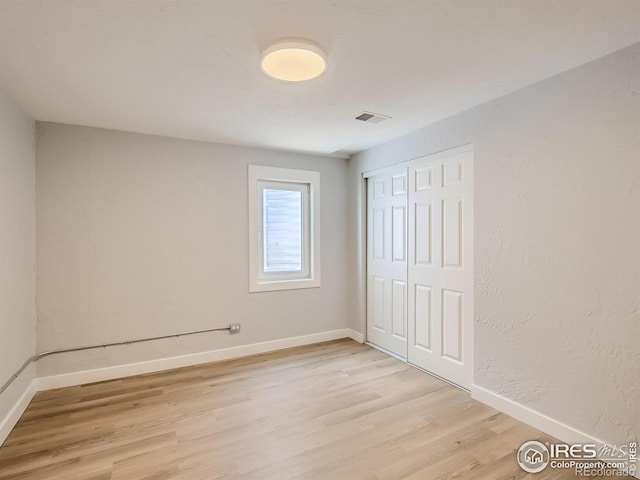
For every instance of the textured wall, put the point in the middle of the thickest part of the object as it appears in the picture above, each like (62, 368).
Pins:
(17, 249)
(141, 236)
(556, 238)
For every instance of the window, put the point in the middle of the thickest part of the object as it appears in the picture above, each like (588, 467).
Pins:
(284, 229)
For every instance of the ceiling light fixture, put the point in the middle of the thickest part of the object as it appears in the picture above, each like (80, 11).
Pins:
(293, 61)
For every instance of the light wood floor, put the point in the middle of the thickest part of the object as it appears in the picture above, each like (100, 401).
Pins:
(337, 410)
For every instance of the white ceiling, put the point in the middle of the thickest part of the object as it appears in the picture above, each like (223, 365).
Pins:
(189, 68)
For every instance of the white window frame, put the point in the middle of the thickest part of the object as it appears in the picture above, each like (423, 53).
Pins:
(308, 182)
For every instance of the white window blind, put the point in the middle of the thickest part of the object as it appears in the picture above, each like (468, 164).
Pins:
(283, 231)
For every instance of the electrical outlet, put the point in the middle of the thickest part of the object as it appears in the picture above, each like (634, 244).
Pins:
(234, 328)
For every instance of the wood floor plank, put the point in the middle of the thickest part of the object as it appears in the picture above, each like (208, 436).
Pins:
(335, 410)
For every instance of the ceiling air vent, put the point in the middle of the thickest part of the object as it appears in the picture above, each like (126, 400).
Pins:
(372, 117)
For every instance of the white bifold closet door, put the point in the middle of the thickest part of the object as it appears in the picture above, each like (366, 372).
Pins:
(387, 260)
(420, 291)
(440, 266)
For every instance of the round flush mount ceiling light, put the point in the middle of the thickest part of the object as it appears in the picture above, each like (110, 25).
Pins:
(293, 61)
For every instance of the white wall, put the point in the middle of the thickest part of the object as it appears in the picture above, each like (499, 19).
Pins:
(557, 242)
(17, 250)
(143, 236)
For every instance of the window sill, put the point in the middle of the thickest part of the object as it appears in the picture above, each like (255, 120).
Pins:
(277, 285)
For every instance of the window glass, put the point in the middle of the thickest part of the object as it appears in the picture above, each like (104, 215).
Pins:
(283, 224)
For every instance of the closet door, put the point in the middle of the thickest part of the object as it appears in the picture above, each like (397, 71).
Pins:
(387, 260)
(440, 267)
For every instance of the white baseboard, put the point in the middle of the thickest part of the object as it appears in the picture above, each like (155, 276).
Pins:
(563, 432)
(525, 414)
(357, 336)
(16, 411)
(120, 371)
